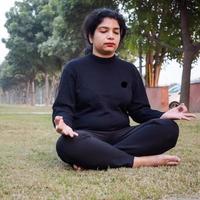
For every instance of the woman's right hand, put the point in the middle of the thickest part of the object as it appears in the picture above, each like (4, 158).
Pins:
(62, 128)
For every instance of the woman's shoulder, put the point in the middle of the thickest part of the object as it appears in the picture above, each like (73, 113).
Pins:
(75, 63)
(126, 64)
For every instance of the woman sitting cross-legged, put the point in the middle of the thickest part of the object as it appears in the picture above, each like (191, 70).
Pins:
(97, 94)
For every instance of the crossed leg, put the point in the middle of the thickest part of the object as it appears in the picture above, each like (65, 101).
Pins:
(148, 141)
(132, 147)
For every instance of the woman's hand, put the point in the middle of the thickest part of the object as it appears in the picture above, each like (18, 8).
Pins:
(179, 112)
(62, 128)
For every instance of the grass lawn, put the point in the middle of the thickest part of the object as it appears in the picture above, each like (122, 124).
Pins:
(30, 169)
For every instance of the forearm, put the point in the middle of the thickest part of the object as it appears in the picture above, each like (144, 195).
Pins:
(65, 113)
(145, 114)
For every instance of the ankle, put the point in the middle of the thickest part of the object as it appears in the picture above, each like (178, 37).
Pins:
(138, 162)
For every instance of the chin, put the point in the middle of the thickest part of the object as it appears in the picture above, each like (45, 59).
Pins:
(108, 52)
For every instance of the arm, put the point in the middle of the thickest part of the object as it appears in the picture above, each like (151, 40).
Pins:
(139, 108)
(64, 105)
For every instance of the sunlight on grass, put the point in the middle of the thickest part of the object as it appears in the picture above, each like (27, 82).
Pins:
(30, 169)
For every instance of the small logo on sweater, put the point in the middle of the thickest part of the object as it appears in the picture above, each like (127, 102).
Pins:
(124, 84)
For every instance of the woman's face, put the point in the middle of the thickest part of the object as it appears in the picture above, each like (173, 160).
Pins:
(106, 38)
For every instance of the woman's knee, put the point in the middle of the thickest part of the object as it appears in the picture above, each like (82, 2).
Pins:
(68, 149)
(171, 131)
(62, 149)
(167, 130)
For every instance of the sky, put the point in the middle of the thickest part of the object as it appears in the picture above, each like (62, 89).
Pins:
(5, 6)
(171, 71)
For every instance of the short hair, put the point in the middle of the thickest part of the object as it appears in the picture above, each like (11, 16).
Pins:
(96, 17)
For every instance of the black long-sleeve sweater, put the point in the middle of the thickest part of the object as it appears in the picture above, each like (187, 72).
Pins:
(101, 93)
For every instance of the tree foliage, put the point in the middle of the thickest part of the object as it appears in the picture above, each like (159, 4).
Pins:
(67, 40)
(46, 33)
(165, 29)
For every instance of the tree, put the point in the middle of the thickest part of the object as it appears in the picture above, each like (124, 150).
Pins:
(43, 35)
(148, 24)
(13, 80)
(23, 55)
(29, 24)
(67, 40)
(190, 32)
(166, 28)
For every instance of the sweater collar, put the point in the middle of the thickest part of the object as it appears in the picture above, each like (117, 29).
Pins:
(102, 60)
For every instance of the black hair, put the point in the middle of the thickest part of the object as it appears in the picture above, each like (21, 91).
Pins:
(96, 17)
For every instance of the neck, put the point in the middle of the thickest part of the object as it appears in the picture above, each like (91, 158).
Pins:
(103, 60)
(109, 55)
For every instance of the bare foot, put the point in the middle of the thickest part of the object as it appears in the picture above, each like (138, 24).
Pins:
(77, 168)
(157, 160)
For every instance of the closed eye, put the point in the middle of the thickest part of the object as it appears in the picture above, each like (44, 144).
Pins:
(106, 29)
(116, 32)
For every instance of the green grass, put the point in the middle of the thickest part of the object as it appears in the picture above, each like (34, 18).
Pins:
(30, 169)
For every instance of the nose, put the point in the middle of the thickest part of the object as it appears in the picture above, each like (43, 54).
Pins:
(110, 35)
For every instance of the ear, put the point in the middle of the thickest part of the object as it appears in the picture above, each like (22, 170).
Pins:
(90, 39)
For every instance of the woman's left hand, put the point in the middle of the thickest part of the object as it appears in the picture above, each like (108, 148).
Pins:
(179, 112)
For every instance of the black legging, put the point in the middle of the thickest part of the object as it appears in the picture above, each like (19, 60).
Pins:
(104, 149)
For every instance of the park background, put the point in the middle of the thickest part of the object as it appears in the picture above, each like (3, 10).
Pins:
(42, 36)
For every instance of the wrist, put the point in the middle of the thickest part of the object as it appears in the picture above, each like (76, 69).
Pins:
(163, 116)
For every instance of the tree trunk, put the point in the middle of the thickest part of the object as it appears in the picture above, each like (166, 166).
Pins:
(149, 69)
(54, 84)
(47, 101)
(28, 92)
(189, 49)
(157, 74)
(185, 82)
(140, 58)
(32, 92)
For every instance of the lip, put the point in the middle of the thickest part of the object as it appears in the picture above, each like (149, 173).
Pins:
(109, 44)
